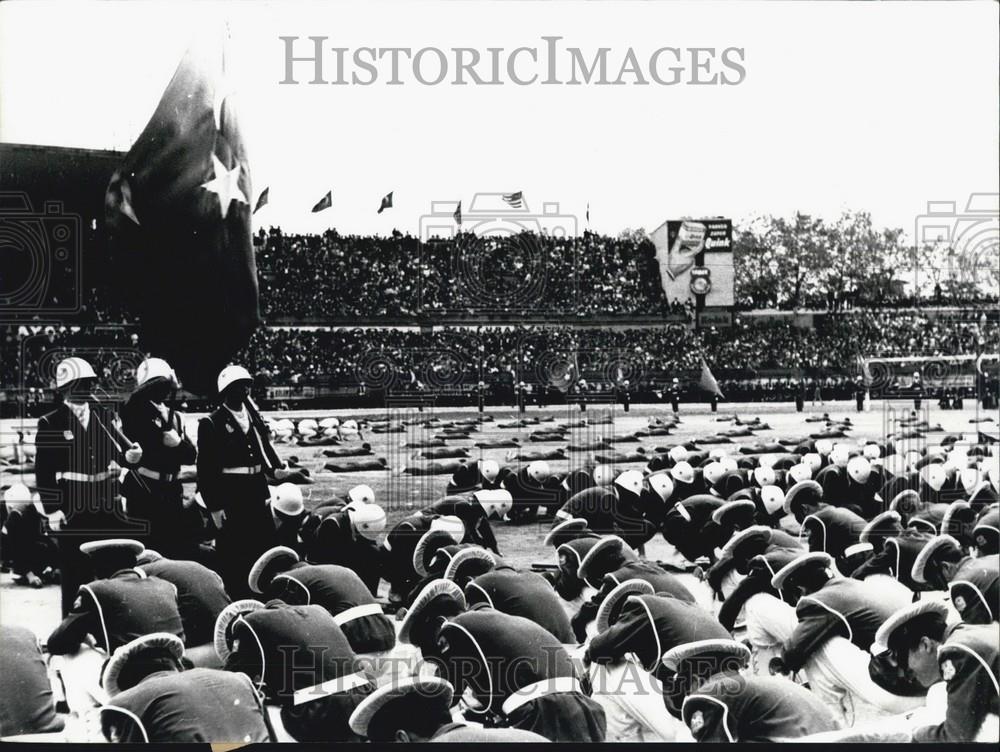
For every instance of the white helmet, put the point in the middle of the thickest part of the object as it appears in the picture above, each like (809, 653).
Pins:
(824, 446)
(154, 368)
(813, 460)
(367, 519)
(678, 453)
(872, 451)
(308, 427)
(539, 471)
(350, 425)
(934, 475)
(288, 500)
(912, 458)
(662, 485)
(713, 471)
(773, 498)
(840, 455)
(800, 472)
(765, 476)
(17, 494)
(631, 481)
(489, 469)
(767, 460)
(361, 494)
(970, 477)
(859, 469)
(717, 453)
(73, 369)
(682, 472)
(329, 423)
(603, 475)
(729, 465)
(231, 375)
(935, 450)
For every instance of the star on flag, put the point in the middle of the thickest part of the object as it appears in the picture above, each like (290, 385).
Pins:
(226, 185)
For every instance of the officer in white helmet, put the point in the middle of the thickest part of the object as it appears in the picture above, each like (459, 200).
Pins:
(235, 461)
(153, 490)
(77, 484)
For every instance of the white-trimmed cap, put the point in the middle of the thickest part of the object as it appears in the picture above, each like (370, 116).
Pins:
(901, 617)
(773, 498)
(448, 524)
(423, 686)
(119, 659)
(226, 617)
(631, 481)
(662, 485)
(754, 531)
(73, 369)
(566, 527)
(800, 487)
(859, 469)
(154, 368)
(877, 521)
(288, 500)
(361, 494)
(231, 375)
(811, 559)
(431, 591)
(265, 560)
(611, 604)
(934, 545)
(121, 544)
(678, 453)
(682, 472)
(732, 506)
(489, 469)
(907, 494)
(539, 471)
(485, 560)
(673, 658)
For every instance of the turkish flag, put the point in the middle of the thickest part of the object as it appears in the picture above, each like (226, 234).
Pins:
(178, 215)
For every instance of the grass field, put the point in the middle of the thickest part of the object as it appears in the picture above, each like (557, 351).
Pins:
(400, 493)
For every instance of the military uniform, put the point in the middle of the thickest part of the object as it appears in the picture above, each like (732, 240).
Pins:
(117, 610)
(302, 661)
(834, 530)
(73, 477)
(518, 673)
(732, 708)
(689, 527)
(201, 595)
(522, 594)
(975, 589)
(527, 495)
(26, 544)
(468, 509)
(232, 478)
(469, 477)
(196, 706)
(28, 706)
(610, 510)
(153, 490)
(329, 537)
(969, 666)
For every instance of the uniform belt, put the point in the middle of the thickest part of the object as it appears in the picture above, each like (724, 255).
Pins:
(85, 477)
(251, 470)
(155, 475)
(331, 687)
(356, 612)
(540, 689)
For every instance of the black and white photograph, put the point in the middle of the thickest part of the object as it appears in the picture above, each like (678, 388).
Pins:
(501, 371)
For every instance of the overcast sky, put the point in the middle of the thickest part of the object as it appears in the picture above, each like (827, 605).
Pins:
(874, 106)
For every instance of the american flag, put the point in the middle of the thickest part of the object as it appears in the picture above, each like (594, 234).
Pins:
(514, 199)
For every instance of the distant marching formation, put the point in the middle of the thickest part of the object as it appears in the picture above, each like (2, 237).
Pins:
(818, 588)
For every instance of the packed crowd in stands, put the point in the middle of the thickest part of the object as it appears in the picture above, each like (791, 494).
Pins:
(451, 357)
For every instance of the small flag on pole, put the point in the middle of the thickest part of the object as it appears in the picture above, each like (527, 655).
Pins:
(458, 214)
(588, 212)
(708, 382)
(261, 200)
(386, 202)
(515, 200)
(324, 203)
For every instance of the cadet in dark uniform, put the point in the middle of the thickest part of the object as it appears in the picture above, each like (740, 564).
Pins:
(32, 553)
(153, 490)
(299, 657)
(533, 487)
(418, 710)
(739, 709)
(517, 593)
(235, 457)
(154, 701)
(517, 673)
(608, 564)
(28, 706)
(477, 475)
(121, 606)
(201, 594)
(278, 574)
(973, 583)
(347, 535)
(76, 444)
